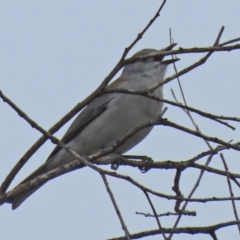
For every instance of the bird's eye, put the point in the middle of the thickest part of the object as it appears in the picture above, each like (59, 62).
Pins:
(158, 59)
(148, 60)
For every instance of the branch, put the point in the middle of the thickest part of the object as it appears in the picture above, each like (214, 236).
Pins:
(176, 104)
(166, 122)
(186, 230)
(166, 214)
(230, 189)
(124, 227)
(75, 164)
(181, 50)
(155, 214)
(196, 64)
(140, 35)
(209, 145)
(122, 161)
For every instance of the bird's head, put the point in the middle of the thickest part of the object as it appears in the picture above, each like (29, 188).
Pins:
(150, 67)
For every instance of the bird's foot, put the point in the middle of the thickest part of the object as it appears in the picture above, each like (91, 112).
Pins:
(116, 161)
(147, 164)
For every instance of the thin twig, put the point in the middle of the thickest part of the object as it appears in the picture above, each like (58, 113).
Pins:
(230, 189)
(189, 114)
(124, 227)
(206, 140)
(230, 41)
(176, 189)
(166, 122)
(177, 104)
(155, 214)
(140, 35)
(196, 64)
(167, 214)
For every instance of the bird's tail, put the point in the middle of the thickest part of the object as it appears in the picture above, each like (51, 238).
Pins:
(21, 197)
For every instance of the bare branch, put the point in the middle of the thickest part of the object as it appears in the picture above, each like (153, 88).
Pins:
(212, 233)
(230, 189)
(124, 227)
(196, 64)
(177, 104)
(155, 214)
(122, 161)
(140, 35)
(160, 53)
(166, 122)
(187, 230)
(166, 214)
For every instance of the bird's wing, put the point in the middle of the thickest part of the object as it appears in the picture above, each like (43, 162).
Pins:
(92, 111)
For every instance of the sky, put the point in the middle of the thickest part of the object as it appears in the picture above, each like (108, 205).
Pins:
(53, 54)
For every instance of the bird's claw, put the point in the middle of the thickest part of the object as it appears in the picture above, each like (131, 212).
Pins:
(147, 164)
(116, 162)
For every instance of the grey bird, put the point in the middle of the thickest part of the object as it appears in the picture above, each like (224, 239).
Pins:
(110, 116)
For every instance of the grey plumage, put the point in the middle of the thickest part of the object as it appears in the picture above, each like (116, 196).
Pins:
(109, 117)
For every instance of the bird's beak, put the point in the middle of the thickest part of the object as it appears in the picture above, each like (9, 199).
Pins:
(170, 47)
(169, 61)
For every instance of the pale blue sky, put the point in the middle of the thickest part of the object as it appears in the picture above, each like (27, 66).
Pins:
(54, 53)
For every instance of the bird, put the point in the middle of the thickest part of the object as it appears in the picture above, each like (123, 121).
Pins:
(110, 116)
